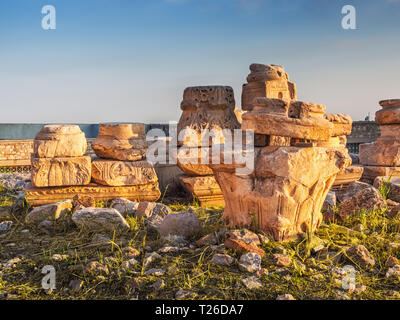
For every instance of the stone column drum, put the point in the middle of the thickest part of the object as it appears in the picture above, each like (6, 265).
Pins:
(382, 157)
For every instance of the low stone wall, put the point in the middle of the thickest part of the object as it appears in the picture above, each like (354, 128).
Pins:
(15, 153)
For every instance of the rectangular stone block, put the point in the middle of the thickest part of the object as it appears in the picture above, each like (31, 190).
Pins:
(40, 196)
(123, 173)
(53, 172)
(205, 189)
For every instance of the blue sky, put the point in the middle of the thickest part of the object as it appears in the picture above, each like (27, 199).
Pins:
(130, 60)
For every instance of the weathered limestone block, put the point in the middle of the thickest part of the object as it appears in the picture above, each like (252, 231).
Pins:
(40, 196)
(59, 141)
(267, 81)
(380, 153)
(286, 191)
(206, 107)
(100, 219)
(385, 151)
(205, 189)
(53, 172)
(121, 141)
(123, 173)
(390, 114)
(50, 212)
(298, 120)
(347, 175)
(371, 172)
(342, 124)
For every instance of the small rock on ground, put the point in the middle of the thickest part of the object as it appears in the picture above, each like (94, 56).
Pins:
(222, 259)
(250, 262)
(252, 282)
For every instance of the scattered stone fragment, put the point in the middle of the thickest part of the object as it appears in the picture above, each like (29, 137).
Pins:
(250, 262)
(59, 257)
(242, 247)
(244, 235)
(352, 189)
(50, 212)
(129, 264)
(393, 272)
(158, 285)
(150, 258)
(330, 201)
(94, 219)
(360, 288)
(75, 285)
(183, 294)
(12, 263)
(207, 240)
(317, 248)
(130, 252)
(147, 209)
(6, 225)
(124, 206)
(155, 272)
(185, 224)
(367, 199)
(286, 296)
(169, 249)
(96, 267)
(175, 240)
(222, 259)
(252, 283)
(262, 272)
(361, 255)
(392, 261)
(281, 260)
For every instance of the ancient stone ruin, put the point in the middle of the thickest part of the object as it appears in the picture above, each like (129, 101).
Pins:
(207, 112)
(284, 194)
(382, 157)
(58, 157)
(60, 170)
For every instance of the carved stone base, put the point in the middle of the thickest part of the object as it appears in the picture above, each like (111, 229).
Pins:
(285, 193)
(205, 189)
(40, 196)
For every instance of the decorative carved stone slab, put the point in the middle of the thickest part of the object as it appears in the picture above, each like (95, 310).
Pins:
(123, 173)
(41, 196)
(206, 107)
(52, 172)
(59, 141)
(121, 141)
(205, 189)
